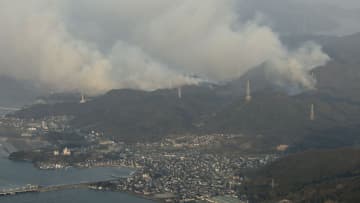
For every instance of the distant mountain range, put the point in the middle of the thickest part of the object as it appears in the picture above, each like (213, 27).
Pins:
(130, 115)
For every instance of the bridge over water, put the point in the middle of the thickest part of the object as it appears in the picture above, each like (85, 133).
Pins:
(36, 188)
(19, 190)
(8, 108)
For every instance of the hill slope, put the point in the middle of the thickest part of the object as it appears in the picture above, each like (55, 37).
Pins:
(312, 176)
(130, 114)
(133, 114)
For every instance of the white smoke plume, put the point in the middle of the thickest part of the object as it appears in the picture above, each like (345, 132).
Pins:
(97, 45)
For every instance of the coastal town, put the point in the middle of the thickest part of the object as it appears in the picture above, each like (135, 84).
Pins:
(188, 176)
(175, 169)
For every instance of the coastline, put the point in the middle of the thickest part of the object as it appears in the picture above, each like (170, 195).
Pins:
(128, 174)
(6, 148)
(134, 194)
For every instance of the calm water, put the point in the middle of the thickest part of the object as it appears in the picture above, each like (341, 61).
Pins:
(19, 173)
(74, 196)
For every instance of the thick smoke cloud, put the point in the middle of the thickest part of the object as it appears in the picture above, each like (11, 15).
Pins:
(94, 46)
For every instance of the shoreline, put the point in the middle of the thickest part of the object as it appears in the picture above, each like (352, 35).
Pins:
(88, 188)
(134, 194)
(132, 171)
(59, 166)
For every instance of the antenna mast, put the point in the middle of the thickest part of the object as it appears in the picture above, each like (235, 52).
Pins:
(83, 100)
(312, 112)
(179, 93)
(248, 92)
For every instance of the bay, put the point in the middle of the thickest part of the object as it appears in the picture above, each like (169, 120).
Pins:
(14, 174)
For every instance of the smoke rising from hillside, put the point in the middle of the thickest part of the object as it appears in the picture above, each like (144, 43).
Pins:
(94, 46)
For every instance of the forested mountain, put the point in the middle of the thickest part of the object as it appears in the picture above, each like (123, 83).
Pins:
(210, 108)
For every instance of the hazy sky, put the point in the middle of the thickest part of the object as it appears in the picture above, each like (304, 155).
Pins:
(306, 16)
(96, 45)
(338, 3)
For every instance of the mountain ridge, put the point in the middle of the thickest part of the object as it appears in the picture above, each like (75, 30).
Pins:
(130, 115)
